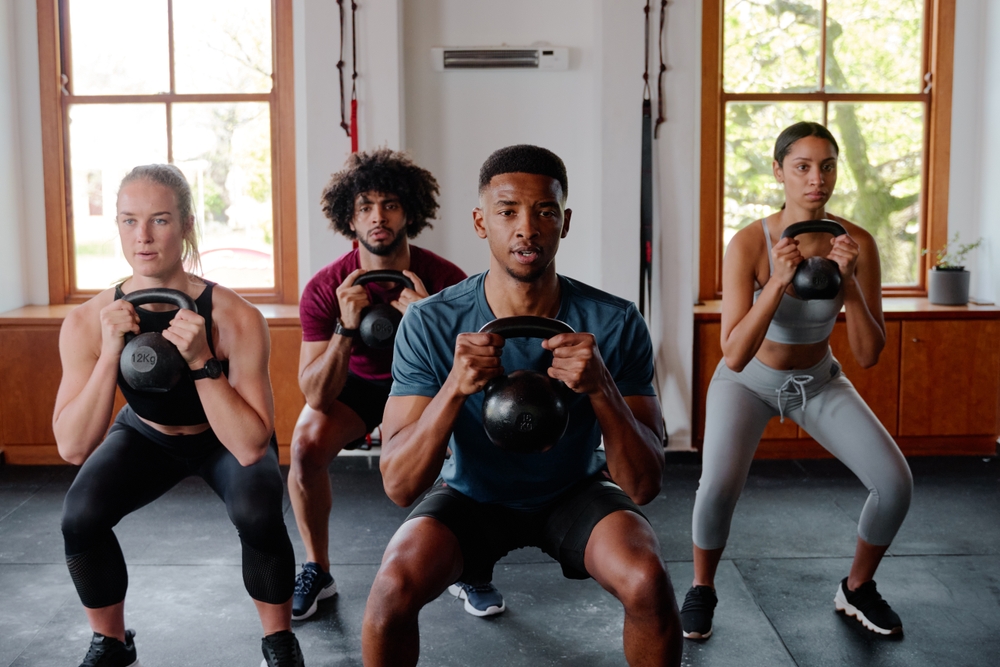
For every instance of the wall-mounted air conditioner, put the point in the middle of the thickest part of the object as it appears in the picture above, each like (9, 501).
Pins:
(550, 58)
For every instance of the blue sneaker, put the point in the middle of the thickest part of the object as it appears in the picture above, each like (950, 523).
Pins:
(312, 584)
(482, 600)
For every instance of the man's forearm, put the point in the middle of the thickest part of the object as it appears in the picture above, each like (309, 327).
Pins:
(322, 380)
(634, 449)
(412, 456)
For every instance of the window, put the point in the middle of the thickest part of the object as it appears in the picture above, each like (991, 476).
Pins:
(204, 86)
(878, 75)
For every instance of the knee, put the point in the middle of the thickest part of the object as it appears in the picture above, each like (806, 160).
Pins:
(257, 513)
(646, 589)
(394, 597)
(894, 488)
(83, 517)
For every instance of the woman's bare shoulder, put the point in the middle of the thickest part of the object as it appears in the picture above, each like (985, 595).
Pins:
(235, 313)
(88, 313)
(856, 231)
(748, 242)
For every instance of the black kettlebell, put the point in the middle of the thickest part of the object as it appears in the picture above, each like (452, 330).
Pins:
(525, 411)
(379, 321)
(815, 277)
(149, 361)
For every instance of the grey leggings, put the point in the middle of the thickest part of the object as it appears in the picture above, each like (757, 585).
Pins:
(824, 403)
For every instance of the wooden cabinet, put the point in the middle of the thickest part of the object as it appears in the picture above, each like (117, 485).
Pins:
(948, 375)
(936, 387)
(30, 371)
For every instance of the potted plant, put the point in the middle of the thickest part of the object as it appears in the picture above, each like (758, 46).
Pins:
(947, 280)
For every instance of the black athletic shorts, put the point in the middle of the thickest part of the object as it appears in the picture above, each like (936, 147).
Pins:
(561, 528)
(367, 398)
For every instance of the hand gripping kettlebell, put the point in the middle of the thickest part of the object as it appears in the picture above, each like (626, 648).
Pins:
(149, 361)
(815, 277)
(525, 411)
(379, 321)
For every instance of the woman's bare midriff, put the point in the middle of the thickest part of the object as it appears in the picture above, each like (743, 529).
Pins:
(178, 430)
(783, 357)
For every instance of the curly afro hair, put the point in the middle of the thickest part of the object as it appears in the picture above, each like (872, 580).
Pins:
(524, 158)
(388, 172)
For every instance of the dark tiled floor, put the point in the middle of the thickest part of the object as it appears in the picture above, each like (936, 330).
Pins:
(792, 539)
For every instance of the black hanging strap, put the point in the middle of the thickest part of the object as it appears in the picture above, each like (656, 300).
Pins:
(660, 103)
(354, 79)
(646, 192)
(340, 68)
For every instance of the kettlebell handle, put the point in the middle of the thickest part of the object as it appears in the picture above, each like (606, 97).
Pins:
(158, 295)
(161, 295)
(384, 276)
(526, 326)
(810, 226)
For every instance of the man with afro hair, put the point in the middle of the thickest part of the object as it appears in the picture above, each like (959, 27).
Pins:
(381, 199)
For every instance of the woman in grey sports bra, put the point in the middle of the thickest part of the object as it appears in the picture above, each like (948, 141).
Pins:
(777, 363)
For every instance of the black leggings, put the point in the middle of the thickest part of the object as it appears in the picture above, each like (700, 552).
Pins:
(137, 464)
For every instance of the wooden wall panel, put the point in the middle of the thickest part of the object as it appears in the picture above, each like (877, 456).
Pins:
(284, 367)
(29, 379)
(949, 377)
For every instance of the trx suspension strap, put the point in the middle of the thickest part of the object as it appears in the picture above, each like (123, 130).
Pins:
(354, 79)
(663, 70)
(352, 129)
(646, 190)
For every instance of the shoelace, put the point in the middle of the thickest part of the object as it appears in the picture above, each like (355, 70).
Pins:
(699, 601)
(284, 652)
(868, 597)
(304, 582)
(94, 654)
(799, 381)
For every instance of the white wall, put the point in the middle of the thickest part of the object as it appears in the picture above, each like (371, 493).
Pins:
(975, 139)
(11, 276)
(23, 267)
(455, 119)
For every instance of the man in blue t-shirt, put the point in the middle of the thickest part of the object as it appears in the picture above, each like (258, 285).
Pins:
(575, 502)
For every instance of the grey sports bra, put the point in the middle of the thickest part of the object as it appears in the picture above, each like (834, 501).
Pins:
(798, 322)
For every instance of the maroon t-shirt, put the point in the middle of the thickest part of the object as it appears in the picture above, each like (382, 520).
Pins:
(319, 308)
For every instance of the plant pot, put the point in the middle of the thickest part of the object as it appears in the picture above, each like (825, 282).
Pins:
(948, 287)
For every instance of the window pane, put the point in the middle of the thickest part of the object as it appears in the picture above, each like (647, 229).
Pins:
(771, 51)
(119, 47)
(222, 46)
(874, 46)
(105, 142)
(878, 179)
(225, 152)
(751, 191)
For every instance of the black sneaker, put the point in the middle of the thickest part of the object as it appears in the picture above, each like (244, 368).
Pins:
(697, 612)
(281, 650)
(109, 652)
(312, 584)
(866, 605)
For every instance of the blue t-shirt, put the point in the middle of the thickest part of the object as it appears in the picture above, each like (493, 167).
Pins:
(423, 356)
